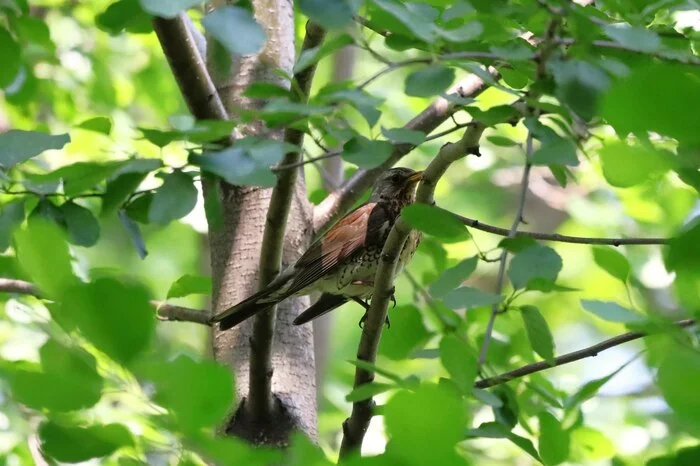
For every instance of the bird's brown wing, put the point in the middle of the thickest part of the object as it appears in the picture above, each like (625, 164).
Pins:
(361, 227)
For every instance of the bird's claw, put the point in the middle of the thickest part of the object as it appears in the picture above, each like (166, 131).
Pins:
(387, 322)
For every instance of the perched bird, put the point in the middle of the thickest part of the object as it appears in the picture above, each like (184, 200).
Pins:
(342, 263)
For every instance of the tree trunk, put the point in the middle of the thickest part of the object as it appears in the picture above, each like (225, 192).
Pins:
(235, 253)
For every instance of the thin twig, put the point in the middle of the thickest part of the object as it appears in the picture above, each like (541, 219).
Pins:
(164, 311)
(546, 47)
(476, 224)
(427, 121)
(260, 402)
(591, 351)
(355, 427)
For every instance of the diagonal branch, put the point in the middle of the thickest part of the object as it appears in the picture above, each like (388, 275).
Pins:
(355, 427)
(476, 224)
(164, 311)
(340, 200)
(260, 388)
(181, 50)
(589, 352)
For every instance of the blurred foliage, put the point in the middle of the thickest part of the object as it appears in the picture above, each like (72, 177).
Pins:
(100, 207)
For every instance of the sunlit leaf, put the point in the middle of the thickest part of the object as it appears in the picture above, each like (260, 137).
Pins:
(538, 332)
(407, 334)
(66, 380)
(188, 285)
(588, 444)
(554, 440)
(612, 261)
(116, 317)
(11, 57)
(368, 390)
(101, 125)
(678, 387)
(625, 165)
(497, 430)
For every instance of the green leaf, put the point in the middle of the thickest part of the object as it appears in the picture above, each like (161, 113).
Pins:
(11, 58)
(678, 384)
(80, 176)
(625, 166)
(366, 153)
(197, 393)
(429, 81)
(494, 115)
(588, 444)
(458, 359)
(536, 262)
(367, 391)
(43, 254)
(431, 416)
(667, 111)
(579, 85)
(83, 228)
(124, 15)
(118, 191)
(559, 151)
(404, 135)
(501, 141)
(683, 251)
(553, 441)
(453, 277)
(434, 221)
(590, 389)
(190, 284)
(174, 199)
(236, 166)
(612, 312)
(538, 332)
(98, 125)
(331, 14)
(408, 333)
(507, 414)
(74, 444)
(517, 244)
(67, 379)
(368, 366)
(498, 430)
(311, 56)
(418, 19)
(487, 398)
(612, 261)
(634, 38)
(467, 298)
(17, 146)
(11, 217)
(235, 29)
(116, 317)
(168, 8)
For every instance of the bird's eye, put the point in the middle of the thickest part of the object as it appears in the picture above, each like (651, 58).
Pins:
(396, 177)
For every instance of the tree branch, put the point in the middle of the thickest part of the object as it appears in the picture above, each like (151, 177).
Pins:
(164, 311)
(189, 69)
(589, 352)
(355, 427)
(476, 224)
(260, 389)
(433, 116)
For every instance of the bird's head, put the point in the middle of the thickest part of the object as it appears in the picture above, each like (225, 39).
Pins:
(396, 184)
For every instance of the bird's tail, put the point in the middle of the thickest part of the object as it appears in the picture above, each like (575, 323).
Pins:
(326, 303)
(258, 302)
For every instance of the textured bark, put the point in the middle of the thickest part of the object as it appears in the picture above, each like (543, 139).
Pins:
(235, 251)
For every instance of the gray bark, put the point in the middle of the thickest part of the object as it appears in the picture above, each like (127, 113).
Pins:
(235, 252)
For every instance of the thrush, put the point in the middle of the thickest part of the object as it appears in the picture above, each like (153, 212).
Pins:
(342, 263)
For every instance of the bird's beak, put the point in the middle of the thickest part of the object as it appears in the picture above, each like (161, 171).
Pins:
(415, 178)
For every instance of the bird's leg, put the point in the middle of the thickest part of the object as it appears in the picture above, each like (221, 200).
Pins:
(364, 304)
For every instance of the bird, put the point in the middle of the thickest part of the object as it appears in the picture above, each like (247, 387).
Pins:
(342, 262)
